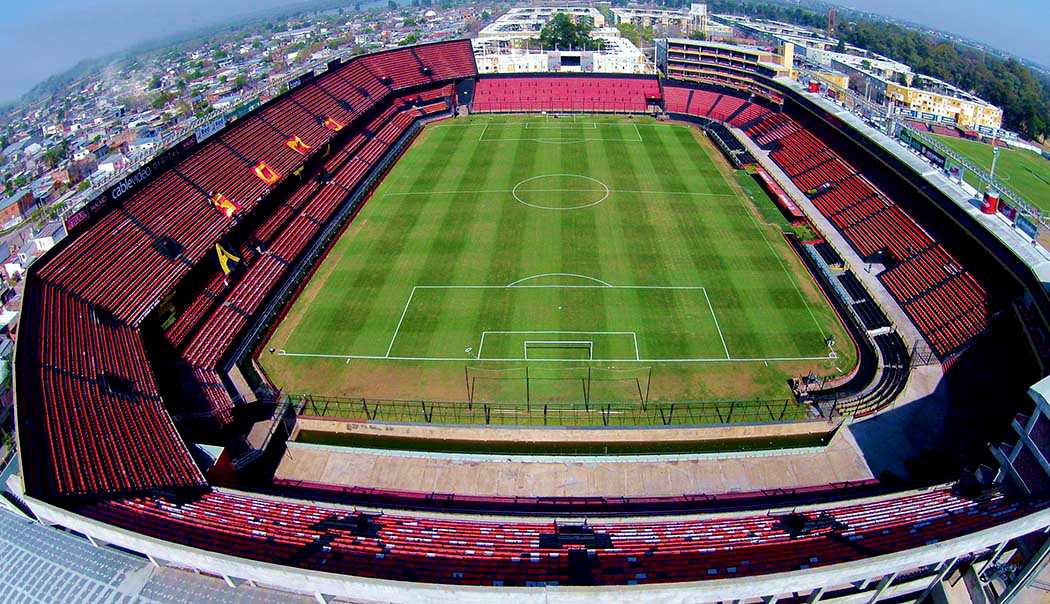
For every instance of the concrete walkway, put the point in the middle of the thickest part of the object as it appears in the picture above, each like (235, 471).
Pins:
(633, 476)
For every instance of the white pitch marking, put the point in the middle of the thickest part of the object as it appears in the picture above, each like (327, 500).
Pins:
(511, 360)
(681, 287)
(638, 191)
(530, 126)
(608, 191)
(481, 345)
(398, 328)
(605, 283)
(715, 317)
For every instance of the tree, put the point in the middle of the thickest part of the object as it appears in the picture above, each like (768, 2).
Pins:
(159, 100)
(54, 155)
(697, 35)
(629, 31)
(561, 32)
(411, 38)
(1006, 83)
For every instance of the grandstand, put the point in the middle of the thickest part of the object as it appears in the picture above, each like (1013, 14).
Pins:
(137, 329)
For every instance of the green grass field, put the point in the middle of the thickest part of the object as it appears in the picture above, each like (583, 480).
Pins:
(1023, 171)
(603, 242)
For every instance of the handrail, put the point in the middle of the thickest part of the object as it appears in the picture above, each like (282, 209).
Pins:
(1023, 205)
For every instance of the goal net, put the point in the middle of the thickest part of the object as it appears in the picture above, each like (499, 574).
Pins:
(563, 383)
(582, 350)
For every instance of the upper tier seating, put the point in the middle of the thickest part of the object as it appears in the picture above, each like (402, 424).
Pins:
(454, 550)
(218, 314)
(84, 383)
(592, 94)
(948, 305)
(447, 61)
(413, 66)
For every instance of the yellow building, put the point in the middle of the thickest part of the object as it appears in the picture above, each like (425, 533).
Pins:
(968, 113)
(835, 80)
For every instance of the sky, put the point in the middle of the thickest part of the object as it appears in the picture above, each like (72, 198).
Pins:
(40, 38)
(1021, 27)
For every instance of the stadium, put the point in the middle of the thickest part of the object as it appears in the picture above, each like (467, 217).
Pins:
(410, 333)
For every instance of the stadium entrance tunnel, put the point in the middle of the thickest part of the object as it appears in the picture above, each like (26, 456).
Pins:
(560, 192)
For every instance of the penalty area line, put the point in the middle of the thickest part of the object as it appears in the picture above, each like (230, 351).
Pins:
(401, 320)
(377, 357)
(715, 317)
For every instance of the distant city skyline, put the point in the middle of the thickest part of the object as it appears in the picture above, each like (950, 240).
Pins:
(1015, 26)
(43, 38)
(47, 37)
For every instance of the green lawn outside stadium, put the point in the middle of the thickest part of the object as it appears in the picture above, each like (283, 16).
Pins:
(1023, 171)
(606, 242)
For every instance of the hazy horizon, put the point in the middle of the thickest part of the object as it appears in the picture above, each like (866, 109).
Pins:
(92, 29)
(1024, 22)
(87, 30)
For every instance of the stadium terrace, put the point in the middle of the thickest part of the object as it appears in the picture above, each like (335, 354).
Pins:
(389, 335)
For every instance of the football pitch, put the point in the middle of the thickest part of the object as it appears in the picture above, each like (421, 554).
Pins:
(1021, 170)
(505, 241)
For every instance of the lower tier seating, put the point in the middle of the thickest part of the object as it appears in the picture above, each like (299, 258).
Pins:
(717, 106)
(99, 424)
(462, 551)
(592, 94)
(947, 304)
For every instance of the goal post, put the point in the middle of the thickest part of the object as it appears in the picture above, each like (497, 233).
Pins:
(559, 345)
(543, 383)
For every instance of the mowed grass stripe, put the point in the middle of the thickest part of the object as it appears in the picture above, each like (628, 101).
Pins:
(503, 260)
(669, 214)
(447, 238)
(633, 223)
(580, 249)
(644, 237)
(354, 300)
(705, 243)
(420, 239)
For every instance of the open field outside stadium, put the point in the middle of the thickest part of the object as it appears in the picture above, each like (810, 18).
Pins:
(1023, 171)
(554, 245)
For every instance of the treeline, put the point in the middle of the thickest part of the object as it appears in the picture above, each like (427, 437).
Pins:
(1023, 95)
(752, 8)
